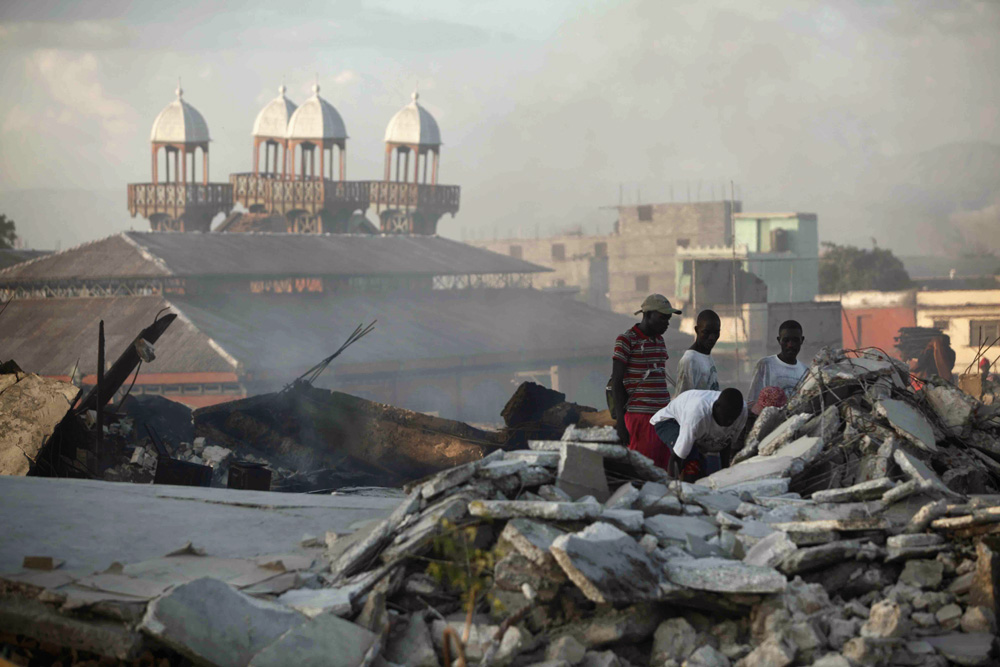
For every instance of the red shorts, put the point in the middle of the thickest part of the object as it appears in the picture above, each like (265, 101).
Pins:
(643, 439)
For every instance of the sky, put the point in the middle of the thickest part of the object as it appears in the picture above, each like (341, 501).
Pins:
(549, 111)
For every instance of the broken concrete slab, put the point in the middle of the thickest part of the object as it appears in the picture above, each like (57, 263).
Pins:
(919, 522)
(413, 646)
(805, 448)
(901, 492)
(209, 621)
(919, 540)
(628, 520)
(315, 601)
(607, 565)
(532, 539)
(870, 490)
(623, 498)
(613, 452)
(590, 434)
(546, 459)
(919, 471)
(581, 473)
(31, 407)
(512, 509)
(781, 435)
(325, 640)
(812, 558)
(908, 422)
(770, 551)
(964, 648)
(827, 525)
(499, 469)
(751, 470)
(675, 529)
(953, 406)
(721, 575)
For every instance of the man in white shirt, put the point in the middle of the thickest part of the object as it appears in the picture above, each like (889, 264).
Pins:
(782, 370)
(697, 422)
(696, 369)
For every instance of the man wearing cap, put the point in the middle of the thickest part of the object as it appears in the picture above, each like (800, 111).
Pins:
(639, 378)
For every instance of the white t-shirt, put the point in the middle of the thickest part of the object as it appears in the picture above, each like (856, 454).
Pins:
(696, 371)
(773, 372)
(693, 411)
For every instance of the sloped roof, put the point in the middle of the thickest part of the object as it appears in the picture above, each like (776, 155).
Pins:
(12, 256)
(294, 332)
(49, 336)
(190, 254)
(413, 124)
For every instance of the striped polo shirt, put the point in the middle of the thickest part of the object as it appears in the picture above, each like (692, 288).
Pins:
(645, 362)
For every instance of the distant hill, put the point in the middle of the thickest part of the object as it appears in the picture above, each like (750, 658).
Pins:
(50, 218)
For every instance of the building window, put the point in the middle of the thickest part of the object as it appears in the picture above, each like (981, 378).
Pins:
(683, 243)
(560, 283)
(642, 283)
(515, 252)
(646, 213)
(600, 249)
(983, 332)
(558, 251)
(941, 324)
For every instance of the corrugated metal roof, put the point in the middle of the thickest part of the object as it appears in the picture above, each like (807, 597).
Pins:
(11, 256)
(49, 336)
(286, 334)
(113, 257)
(267, 332)
(190, 254)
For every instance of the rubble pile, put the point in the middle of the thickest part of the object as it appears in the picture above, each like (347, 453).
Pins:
(859, 525)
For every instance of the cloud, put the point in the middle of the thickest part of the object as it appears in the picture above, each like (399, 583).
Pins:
(75, 35)
(73, 84)
(345, 77)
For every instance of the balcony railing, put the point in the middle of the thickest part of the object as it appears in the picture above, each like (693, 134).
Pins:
(279, 195)
(174, 198)
(438, 198)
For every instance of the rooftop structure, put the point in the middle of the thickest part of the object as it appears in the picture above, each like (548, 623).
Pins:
(180, 202)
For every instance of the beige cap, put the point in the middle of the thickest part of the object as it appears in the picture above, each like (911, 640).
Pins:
(657, 303)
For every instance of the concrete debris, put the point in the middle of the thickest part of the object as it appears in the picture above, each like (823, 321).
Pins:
(861, 527)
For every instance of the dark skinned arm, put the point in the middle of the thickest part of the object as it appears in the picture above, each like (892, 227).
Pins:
(620, 398)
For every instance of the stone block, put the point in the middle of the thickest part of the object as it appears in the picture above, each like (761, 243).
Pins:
(581, 473)
(869, 490)
(607, 565)
(630, 521)
(707, 656)
(770, 551)
(553, 511)
(566, 649)
(412, 646)
(965, 648)
(922, 573)
(675, 529)
(623, 498)
(210, 622)
(886, 620)
(908, 422)
(325, 640)
(979, 619)
(721, 575)
(532, 539)
(674, 639)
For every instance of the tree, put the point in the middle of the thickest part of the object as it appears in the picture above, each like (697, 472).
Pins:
(846, 269)
(7, 232)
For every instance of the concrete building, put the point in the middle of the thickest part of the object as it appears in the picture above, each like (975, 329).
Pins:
(618, 270)
(970, 318)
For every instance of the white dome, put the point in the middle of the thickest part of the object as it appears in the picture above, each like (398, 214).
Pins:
(316, 119)
(413, 124)
(272, 121)
(179, 123)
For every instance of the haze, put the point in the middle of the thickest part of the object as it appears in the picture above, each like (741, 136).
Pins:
(882, 117)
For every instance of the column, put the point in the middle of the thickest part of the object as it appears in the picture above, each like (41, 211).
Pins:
(343, 163)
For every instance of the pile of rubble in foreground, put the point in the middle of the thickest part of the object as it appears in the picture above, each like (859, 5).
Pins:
(833, 542)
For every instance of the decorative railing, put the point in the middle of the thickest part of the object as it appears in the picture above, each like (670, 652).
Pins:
(443, 198)
(279, 195)
(173, 198)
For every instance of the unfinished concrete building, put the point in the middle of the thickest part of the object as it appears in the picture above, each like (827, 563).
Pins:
(618, 270)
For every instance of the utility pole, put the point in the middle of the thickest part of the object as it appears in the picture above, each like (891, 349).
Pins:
(732, 229)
